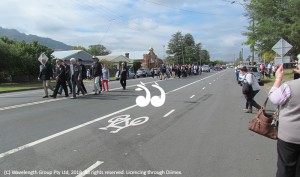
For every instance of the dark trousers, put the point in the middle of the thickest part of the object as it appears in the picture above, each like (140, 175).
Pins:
(250, 100)
(69, 85)
(123, 82)
(58, 85)
(77, 83)
(288, 162)
(82, 86)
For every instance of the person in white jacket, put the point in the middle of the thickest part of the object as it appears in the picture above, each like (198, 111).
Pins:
(252, 81)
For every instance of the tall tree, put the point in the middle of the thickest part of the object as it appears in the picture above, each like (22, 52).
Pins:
(98, 50)
(272, 20)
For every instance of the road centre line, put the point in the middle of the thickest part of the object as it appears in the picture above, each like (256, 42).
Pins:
(192, 96)
(20, 148)
(88, 170)
(166, 115)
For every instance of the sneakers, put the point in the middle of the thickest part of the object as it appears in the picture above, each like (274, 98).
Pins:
(45, 96)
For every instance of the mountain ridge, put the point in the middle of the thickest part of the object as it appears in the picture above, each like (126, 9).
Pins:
(51, 43)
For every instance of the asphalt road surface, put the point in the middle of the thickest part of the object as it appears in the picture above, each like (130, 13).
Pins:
(199, 131)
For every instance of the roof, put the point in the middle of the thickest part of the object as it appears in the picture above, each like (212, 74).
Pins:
(114, 58)
(64, 53)
(132, 55)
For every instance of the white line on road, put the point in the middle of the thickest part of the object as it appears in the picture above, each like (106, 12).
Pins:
(203, 88)
(81, 125)
(209, 83)
(57, 99)
(16, 94)
(88, 170)
(166, 115)
(62, 133)
(30, 104)
(192, 96)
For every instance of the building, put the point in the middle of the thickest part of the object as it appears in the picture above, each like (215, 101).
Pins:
(87, 58)
(116, 60)
(148, 58)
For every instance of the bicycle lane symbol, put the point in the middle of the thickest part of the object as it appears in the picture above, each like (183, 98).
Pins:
(124, 121)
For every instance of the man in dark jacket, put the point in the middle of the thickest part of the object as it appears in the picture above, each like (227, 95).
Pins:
(68, 77)
(83, 75)
(76, 75)
(97, 74)
(46, 74)
(123, 72)
(60, 78)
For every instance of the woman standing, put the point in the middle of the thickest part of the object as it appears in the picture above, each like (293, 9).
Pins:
(105, 78)
(252, 81)
(287, 96)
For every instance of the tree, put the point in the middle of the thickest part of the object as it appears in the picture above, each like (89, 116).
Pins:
(272, 20)
(98, 50)
(80, 48)
(185, 50)
(205, 57)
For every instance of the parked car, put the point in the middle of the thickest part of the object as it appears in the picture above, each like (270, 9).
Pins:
(205, 68)
(145, 72)
(253, 70)
(131, 75)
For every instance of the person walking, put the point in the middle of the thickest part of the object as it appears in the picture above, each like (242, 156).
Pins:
(97, 74)
(76, 76)
(287, 96)
(252, 81)
(123, 74)
(46, 74)
(83, 76)
(60, 79)
(68, 77)
(105, 78)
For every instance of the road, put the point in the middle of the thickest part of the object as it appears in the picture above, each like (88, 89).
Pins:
(200, 131)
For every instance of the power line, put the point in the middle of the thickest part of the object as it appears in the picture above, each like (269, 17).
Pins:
(185, 10)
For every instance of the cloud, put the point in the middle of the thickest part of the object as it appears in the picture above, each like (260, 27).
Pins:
(130, 25)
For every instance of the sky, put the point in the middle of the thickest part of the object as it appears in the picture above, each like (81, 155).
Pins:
(132, 25)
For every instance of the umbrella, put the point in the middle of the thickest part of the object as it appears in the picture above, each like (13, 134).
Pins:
(42, 56)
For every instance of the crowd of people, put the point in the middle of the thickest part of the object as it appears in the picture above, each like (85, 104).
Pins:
(72, 76)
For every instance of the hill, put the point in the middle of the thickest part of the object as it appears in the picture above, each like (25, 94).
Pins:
(14, 34)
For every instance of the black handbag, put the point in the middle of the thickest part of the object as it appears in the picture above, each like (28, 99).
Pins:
(247, 88)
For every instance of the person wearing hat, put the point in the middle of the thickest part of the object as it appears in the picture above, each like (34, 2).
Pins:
(46, 74)
(123, 74)
(60, 79)
(252, 81)
(296, 71)
(97, 74)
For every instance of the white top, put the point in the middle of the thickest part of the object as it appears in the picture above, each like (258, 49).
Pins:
(251, 79)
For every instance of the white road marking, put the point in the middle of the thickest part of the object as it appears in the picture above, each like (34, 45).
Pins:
(192, 96)
(166, 115)
(57, 99)
(16, 94)
(12, 151)
(203, 88)
(30, 104)
(209, 83)
(61, 133)
(214, 80)
(88, 170)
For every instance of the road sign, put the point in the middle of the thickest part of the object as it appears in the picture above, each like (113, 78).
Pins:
(282, 47)
(280, 60)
